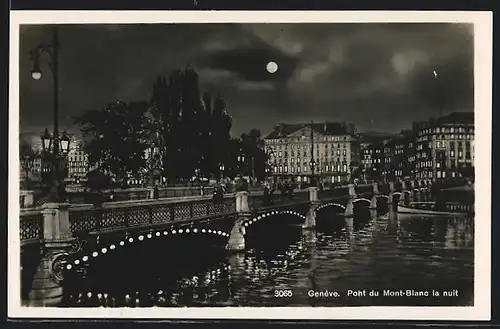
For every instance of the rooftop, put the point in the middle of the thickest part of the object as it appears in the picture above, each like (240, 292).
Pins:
(327, 128)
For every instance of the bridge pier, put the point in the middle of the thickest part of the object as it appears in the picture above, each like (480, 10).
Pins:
(310, 222)
(390, 197)
(413, 186)
(404, 192)
(46, 287)
(349, 209)
(237, 237)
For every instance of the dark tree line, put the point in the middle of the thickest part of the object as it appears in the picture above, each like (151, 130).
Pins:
(187, 131)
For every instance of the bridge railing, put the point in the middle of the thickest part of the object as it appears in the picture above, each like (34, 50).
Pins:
(119, 216)
(257, 200)
(31, 226)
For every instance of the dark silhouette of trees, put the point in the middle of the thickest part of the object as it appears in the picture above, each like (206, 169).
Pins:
(252, 145)
(189, 130)
(117, 136)
(194, 130)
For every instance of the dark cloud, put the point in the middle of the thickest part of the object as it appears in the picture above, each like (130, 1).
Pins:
(378, 76)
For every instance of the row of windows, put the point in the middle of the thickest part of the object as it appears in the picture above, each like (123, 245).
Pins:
(422, 155)
(453, 130)
(424, 164)
(446, 130)
(298, 139)
(453, 136)
(77, 158)
(305, 153)
(304, 146)
(284, 169)
(370, 151)
(370, 161)
(317, 161)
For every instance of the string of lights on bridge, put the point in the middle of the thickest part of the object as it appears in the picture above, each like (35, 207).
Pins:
(179, 231)
(142, 237)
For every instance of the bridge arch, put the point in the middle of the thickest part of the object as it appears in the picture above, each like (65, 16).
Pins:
(272, 213)
(74, 263)
(383, 196)
(363, 199)
(331, 204)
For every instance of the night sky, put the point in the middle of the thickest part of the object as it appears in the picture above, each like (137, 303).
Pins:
(378, 76)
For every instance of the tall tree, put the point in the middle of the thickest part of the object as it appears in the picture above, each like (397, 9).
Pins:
(194, 129)
(255, 156)
(116, 137)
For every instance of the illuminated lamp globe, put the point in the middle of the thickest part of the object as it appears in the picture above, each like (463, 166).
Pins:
(36, 74)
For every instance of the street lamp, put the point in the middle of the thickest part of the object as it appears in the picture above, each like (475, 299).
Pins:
(54, 144)
(221, 170)
(241, 160)
(197, 175)
(312, 162)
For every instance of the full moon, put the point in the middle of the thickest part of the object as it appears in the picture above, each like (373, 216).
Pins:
(272, 67)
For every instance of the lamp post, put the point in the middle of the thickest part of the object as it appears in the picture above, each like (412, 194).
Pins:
(52, 144)
(197, 175)
(312, 162)
(221, 171)
(241, 161)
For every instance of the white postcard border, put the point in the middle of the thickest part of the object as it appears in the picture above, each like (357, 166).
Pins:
(483, 108)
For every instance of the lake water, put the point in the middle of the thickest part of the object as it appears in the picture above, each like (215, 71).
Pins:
(405, 259)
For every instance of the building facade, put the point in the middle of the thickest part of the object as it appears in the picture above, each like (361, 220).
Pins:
(445, 147)
(328, 150)
(372, 155)
(77, 161)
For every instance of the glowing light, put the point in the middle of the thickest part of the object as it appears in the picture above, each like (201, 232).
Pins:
(173, 232)
(122, 243)
(77, 262)
(112, 247)
(131, 240)
(141, 237)
(157, 233)
(94, 254)
(187, 230)
(85, 258)
(180, 230)
(149, 235)
(69, 266)
(104, 250)
(195, 230)
(203, 231)
(165, 233)
(272, 67)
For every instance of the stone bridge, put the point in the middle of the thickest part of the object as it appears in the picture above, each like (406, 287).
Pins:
(68, 236)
